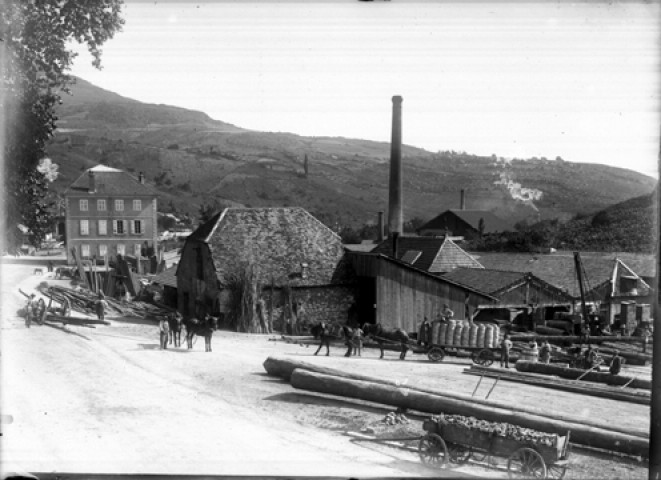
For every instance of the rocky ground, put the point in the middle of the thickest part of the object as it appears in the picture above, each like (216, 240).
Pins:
(108, 400)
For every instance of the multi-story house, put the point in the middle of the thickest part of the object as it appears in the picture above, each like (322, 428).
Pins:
(110, 212)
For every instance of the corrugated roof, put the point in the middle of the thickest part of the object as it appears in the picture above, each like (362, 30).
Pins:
(411, 256)
(277, 242)
(110, 181)
(167, 277)
(492, 223)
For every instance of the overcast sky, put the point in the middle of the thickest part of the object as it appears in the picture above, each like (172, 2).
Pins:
(518, 79)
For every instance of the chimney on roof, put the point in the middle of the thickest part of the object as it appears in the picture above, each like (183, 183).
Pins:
(462, 200)
(395, 213)
(141, 177)
(379, 228)
(92, 186)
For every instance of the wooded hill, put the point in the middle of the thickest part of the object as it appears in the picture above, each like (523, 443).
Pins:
(194, 160)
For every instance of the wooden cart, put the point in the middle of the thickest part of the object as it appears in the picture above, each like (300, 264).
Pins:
(455, 443)
(484, 356)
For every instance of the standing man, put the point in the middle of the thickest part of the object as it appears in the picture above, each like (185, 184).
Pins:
(424, 333)
(505, 348)
(164, 332)
(101, 306)
(29, 310)
(545, 352)
(616, 364)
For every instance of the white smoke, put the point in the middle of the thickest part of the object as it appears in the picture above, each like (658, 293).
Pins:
(518, 192)
(48, 168)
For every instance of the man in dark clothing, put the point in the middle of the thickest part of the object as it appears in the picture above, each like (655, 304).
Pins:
(425, 333)
(505, 348)
(616, 364)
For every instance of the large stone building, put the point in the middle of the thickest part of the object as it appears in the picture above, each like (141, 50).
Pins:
(287, 249)
(110, 212)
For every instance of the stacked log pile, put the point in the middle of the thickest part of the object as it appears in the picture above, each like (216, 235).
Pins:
(576, 373)
(83, 301)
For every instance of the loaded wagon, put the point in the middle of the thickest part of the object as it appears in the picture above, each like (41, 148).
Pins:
(482, 340)
(529, 453)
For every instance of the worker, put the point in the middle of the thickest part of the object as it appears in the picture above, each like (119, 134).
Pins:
(164, 332)
(545, 352)
(424, 333)
(357, 340)
(447, 314)
(101, 305)
(585, 334)
(616, 364)
(29, 309)
(505, 348)
(66, 307)
(534, 351)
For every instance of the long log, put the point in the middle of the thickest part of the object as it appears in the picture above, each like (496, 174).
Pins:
(284, 367)
(613, 393)
(74, 320)
(574, 373)
(424, 402)
(575, 339)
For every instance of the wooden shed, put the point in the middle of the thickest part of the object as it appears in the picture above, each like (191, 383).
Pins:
(396, 294)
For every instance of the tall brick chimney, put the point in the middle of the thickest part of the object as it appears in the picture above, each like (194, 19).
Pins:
(462, 200)
(92, 186)
(395, 213)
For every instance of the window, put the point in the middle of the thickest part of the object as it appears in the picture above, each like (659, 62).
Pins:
(85, 250)
(136, 249)
(84, 227)
(118, 227)
(83, 205)
(120, 248)
(103, 227)
(101, 205)
(137, 205)
(136, 227)
(103, 250)
(119, 205)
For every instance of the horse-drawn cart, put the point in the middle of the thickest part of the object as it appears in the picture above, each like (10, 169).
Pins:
(529, 453)
(479, 355)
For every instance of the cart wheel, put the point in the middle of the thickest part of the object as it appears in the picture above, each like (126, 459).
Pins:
(484, 357)
(556, 471)
(436, 354)
(526, 463)
(432, 450)
(458, 453)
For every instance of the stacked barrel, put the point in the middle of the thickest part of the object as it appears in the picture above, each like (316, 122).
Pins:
(459, 333)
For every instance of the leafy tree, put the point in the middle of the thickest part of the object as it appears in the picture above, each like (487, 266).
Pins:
(35, 37)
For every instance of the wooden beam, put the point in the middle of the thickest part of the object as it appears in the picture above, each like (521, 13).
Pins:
(576, 373)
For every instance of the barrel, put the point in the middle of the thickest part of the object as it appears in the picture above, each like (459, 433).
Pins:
(449, 334)
(465, 335)
(441, 333)
(472, 336)
(481, 330)
(435, 327)
(456, 339)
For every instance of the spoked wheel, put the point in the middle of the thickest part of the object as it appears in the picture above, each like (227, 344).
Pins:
(484, 357)
(432, 450)
(526, 463)
(556, 471)
(458, 453)
(436, 354)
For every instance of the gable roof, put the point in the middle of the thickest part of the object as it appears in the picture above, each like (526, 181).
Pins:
(492, 223)
(557, 268)
(280, 243)
(437, 254)
(110, 181)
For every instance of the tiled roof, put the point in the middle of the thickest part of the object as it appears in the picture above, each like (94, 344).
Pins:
(485, 280)
(110, 181)
(559, 269)
(167, 277)
(492, 223)
(277, 242)
(437, 255)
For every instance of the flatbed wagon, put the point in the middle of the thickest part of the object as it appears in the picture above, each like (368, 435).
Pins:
(484, 356)
(525, 458)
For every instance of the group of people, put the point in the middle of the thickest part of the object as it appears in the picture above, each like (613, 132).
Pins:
(424, 334)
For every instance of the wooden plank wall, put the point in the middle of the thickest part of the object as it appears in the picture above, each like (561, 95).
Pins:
(405, 296)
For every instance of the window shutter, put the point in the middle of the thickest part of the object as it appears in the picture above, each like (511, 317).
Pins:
(114, 227)
(126, 225)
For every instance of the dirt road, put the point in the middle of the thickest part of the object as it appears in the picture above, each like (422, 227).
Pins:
(108, 400)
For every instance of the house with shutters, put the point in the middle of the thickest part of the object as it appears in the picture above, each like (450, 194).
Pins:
(110, 212)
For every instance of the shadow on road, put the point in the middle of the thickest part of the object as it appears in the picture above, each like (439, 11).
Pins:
(293, 397)
(66, 330)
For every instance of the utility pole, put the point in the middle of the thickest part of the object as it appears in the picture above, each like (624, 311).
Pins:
(655, 402)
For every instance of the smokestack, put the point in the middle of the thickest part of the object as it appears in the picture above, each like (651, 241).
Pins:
(462, 200)
(395, 214)
(92, 187)
(379, 226)
(141, 177)
(395, 241)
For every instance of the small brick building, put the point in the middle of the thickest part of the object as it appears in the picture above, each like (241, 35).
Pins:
(287, 249)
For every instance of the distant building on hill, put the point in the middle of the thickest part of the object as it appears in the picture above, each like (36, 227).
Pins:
(110, 212)
(465, 223)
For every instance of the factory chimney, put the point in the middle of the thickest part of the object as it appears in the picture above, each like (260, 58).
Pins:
(462, 200)
(141, 177)
(379, 227)
(92, 186)
(395, 214)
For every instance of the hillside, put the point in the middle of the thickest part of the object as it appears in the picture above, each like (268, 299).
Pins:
(193, 159)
